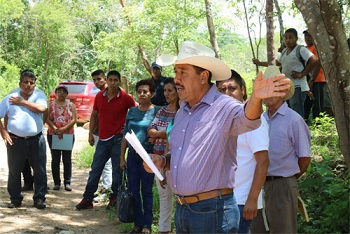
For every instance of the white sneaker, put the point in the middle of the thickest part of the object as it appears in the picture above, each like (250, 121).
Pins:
(101, 198)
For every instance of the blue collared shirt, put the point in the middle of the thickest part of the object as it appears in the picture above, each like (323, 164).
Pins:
(22, 121)
(289, 140)
(203, 143)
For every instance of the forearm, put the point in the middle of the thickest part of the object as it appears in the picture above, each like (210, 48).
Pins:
(260, 63)
(70, 124)
(262, 164)
(2, 129)
(253, 108)
(50, 124)
(312, 62)
(157, 134)
(93, 122)
(35, 107)
(123, 149)
(166, 166)
(303, 163)
(316, 70)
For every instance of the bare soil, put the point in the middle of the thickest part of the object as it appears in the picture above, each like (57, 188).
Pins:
(60, 216)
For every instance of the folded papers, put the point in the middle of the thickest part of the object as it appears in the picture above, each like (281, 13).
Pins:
(135, 143)
(302, 209)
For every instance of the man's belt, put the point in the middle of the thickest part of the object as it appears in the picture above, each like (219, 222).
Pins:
(24, 138)
(202, 196)
(269, 178)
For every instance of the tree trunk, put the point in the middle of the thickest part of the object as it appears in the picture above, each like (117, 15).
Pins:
(250, 37)
(141, 52)
(324, 23)
(270, 33)
(211, 28)
(280, 21)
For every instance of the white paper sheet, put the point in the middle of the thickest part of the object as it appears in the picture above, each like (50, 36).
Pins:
(135, 143)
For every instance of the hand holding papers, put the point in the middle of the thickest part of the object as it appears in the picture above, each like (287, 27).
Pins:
(135, 143)
(66, 143)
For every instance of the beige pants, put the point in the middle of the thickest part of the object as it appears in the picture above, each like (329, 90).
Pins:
(281, 199)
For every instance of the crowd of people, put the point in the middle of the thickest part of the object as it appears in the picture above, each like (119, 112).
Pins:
(218, 152)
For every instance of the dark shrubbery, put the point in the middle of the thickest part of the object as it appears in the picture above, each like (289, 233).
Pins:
(325, 186)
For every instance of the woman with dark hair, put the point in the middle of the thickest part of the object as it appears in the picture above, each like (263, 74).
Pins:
(139, 181)
(157, 134)
(62, 117)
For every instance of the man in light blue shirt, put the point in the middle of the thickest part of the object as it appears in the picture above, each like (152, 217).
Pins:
(25, 110)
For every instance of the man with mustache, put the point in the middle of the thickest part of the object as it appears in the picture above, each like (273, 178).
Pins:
(25, 110)
(203, 142)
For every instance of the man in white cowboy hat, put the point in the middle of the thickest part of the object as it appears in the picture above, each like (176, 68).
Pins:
(289, 154)
(203, 141)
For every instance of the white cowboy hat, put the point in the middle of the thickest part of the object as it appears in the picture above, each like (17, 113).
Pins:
(272, 71)
(199, 55)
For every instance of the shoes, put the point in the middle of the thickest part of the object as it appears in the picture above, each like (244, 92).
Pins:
(40, 204)
(146, 230)
(100, 198)
(67, 187)
(85, 204)
(27, 187)
(135, 230)
(14, 204)
(112, 203)
(56, 187)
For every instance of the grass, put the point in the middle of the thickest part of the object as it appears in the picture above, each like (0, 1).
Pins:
(84, 157)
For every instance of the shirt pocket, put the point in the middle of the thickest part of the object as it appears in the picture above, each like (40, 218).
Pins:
(202, 132)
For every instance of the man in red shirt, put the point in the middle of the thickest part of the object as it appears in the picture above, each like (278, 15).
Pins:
(110, 108)
(317, 83)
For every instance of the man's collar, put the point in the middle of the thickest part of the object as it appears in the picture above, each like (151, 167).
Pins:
(117, 95)
(208, 98)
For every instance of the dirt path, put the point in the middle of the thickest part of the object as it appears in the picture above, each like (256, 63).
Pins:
(60, 216)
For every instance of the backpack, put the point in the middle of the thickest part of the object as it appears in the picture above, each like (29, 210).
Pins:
(300, 58)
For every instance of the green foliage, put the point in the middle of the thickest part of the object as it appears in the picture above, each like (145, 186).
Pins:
(10, 10)
(9, 78)
(325, 187)
(84, 157)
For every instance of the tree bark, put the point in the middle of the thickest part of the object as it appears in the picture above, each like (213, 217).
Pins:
(141, 52)
(211, 28)
(280, 21)
(250, 37)
(324, 23)
(270, 33)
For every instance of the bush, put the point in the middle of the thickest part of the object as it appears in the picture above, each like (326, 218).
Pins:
(325, 186)
(84, 157)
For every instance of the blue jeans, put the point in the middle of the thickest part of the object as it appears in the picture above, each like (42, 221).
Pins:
(104, 151)
(140, 180)
(298, 100)
(244, 225)
(33, 149)
(215, 215)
